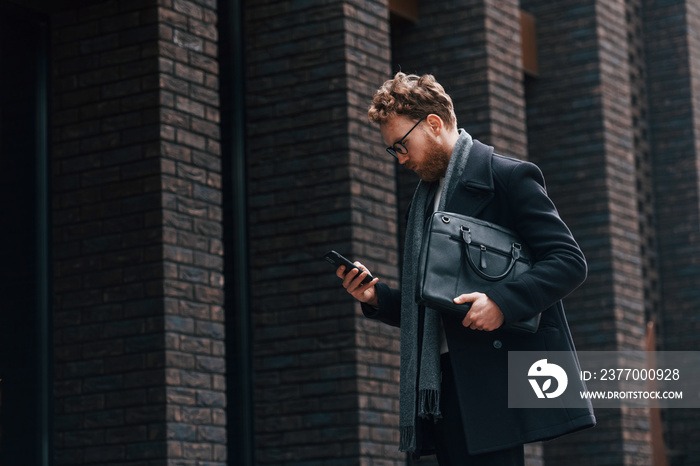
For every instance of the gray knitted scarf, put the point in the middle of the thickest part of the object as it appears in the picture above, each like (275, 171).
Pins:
(419, 394)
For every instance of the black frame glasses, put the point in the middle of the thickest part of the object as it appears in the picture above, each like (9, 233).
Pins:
(398, 147)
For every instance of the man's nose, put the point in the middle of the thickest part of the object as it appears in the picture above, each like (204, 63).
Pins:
(403, 158)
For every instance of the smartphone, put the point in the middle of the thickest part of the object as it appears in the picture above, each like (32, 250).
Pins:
(338, 260)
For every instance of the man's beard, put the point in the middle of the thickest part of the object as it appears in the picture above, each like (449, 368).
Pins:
(434, 164)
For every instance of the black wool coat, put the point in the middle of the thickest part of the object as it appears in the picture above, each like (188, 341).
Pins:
(510, 193)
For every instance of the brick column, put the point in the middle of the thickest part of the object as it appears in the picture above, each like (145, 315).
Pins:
(580, 132)
(137, 237)
(192, 231)
(673, 66)
(326, 385)
(473, 49)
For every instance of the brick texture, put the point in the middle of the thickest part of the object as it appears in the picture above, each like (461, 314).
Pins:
(137, 234)
(473, 49)
(672, 62)
(580, 131)
(643, 161)
(136, 182)
(326, 378)
(191, 184)
(107, 236)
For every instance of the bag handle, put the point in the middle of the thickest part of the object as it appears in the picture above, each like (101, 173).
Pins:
(514, 253)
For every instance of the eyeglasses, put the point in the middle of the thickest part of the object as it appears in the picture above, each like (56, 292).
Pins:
(398, 147)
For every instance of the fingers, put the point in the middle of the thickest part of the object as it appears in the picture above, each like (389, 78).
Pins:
(352, 280)
(362, 288)
(467, 321)
(472, 321)
(467, 298)
(349, 277)
(484, 314)
(464, 299)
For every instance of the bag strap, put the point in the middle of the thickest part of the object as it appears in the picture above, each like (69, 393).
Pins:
(514, 253)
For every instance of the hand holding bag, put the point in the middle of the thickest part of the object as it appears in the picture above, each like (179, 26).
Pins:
(461, 254)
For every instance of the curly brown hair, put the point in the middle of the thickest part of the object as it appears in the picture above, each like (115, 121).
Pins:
(414, 96)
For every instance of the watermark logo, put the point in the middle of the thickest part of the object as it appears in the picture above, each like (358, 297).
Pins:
(604, 379)
(542, 370)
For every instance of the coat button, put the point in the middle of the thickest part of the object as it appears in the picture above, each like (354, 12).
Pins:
(497, 344)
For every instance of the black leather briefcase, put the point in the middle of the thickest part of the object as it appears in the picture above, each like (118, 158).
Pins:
(461, 254)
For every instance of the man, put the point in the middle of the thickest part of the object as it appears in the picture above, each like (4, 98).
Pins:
(459, 410)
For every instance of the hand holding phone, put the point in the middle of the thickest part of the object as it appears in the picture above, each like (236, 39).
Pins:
(363, 293)
(338, 260)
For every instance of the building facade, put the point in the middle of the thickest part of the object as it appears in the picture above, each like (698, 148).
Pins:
(174, 170)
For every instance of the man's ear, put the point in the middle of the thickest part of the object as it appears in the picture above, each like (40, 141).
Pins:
(435, 124)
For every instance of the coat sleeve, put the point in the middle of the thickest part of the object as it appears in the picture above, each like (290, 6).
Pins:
(559, 265)
(389, 310)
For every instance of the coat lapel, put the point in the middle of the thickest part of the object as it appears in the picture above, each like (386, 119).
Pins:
(475, 189)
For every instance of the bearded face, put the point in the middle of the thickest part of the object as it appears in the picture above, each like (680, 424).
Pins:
(433, 165)
(422, 144)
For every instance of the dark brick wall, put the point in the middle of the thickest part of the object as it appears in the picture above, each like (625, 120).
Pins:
(139, 360)
(325, 377)
(672, 53)
(192, 231)
(639, 105)
(473, 49)
(580, 131)
(137, 222)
